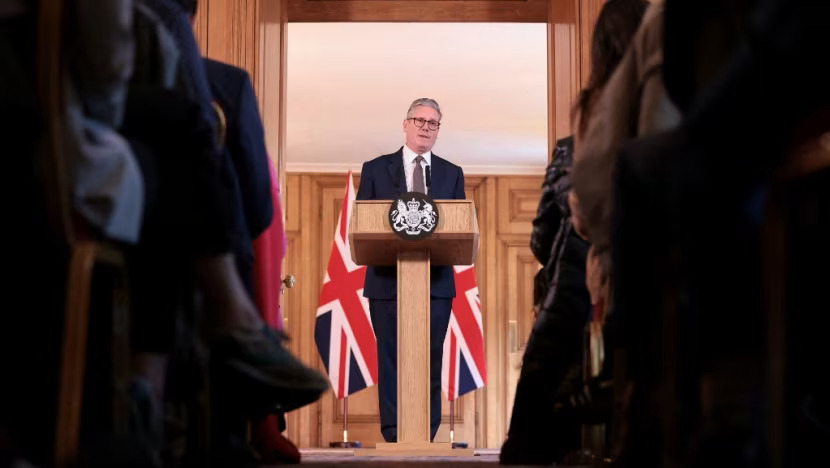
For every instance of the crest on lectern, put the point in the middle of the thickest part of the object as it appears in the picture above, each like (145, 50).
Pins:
(413, 216)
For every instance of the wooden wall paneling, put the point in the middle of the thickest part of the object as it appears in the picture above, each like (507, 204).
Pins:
(507, 309)
(493, 11)
(492, 419)
(294, 264)
(563, 67)
(312, 215)
(232, 32)
(291, 204)
(517, 274)
(292, 299)
(270, 79)
(226, 30)
(200, 25)
(475, 188)
(251, 34)
(588, 13)
(303, 428)
(328, 404)
(518, 199)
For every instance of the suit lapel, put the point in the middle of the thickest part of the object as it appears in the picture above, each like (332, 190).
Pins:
(396, 173)
(437, 175)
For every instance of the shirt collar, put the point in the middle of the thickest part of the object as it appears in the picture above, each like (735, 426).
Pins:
(409, 156)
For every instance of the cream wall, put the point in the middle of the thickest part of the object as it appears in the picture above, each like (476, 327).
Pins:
(350, 84)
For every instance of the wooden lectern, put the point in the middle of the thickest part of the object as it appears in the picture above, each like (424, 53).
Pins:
(455, 241)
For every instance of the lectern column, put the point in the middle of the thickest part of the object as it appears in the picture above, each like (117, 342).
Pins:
(413, 347)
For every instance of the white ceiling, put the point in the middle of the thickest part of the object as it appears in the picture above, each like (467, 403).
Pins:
(350, 84)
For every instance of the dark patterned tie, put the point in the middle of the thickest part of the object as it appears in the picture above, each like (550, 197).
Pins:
(418, 176)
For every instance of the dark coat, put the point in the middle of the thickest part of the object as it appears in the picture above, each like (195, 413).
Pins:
(245, 141)
(552, 361)
(553, 210)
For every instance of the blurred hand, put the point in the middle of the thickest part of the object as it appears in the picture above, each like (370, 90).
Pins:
(596, 280)
(577, 219)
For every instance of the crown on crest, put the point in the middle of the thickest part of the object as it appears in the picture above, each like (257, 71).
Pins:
(413, 204)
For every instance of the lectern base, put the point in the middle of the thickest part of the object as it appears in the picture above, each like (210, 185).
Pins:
(349, 444)
(438, 449)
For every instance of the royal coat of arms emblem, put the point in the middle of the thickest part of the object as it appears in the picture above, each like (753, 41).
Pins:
(413, 216)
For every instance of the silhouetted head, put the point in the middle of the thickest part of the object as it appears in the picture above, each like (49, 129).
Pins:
(617, 22)
(699, 38)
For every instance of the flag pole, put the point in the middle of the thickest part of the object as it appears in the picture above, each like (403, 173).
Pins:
(452, 421)
(453, 443)
(345, 443)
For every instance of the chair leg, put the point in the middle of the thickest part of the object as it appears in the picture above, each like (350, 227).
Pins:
(621, 397)
(121, 351)
(73, 359)
(774, 258)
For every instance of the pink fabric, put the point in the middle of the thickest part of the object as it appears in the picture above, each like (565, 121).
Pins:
(269, 251)
(272, 447)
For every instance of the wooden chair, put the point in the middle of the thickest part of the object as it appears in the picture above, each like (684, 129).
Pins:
(85, 254)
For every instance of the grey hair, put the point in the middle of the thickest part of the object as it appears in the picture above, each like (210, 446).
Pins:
(423, 102)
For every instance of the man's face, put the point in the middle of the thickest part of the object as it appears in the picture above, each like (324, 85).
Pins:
(421, 139)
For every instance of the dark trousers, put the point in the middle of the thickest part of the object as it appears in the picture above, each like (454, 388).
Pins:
(384, 315)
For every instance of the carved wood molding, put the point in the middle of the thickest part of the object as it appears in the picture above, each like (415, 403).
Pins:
(482, 11)
(517, 269)
(515, 253)
(518, 201)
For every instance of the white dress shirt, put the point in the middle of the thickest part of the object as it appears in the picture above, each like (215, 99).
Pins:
(409, 165)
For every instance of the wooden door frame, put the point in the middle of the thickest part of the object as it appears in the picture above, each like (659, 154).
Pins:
(252, 34)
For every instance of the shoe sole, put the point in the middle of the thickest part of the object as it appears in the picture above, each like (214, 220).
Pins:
(284, 396)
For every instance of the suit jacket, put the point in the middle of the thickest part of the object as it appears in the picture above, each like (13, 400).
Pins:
(383, 179)
(245, 141)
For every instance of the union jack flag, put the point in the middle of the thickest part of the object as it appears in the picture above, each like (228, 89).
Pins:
(343, 329)
(464, 367)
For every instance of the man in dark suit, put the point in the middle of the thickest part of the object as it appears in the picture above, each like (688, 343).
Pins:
(245, 142)
(412, 168)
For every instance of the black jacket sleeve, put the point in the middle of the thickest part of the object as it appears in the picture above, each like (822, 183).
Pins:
(553, 206)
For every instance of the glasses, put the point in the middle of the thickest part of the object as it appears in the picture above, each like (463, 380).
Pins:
(419, 122)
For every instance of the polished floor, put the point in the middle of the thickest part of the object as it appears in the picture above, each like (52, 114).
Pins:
(339, 457)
